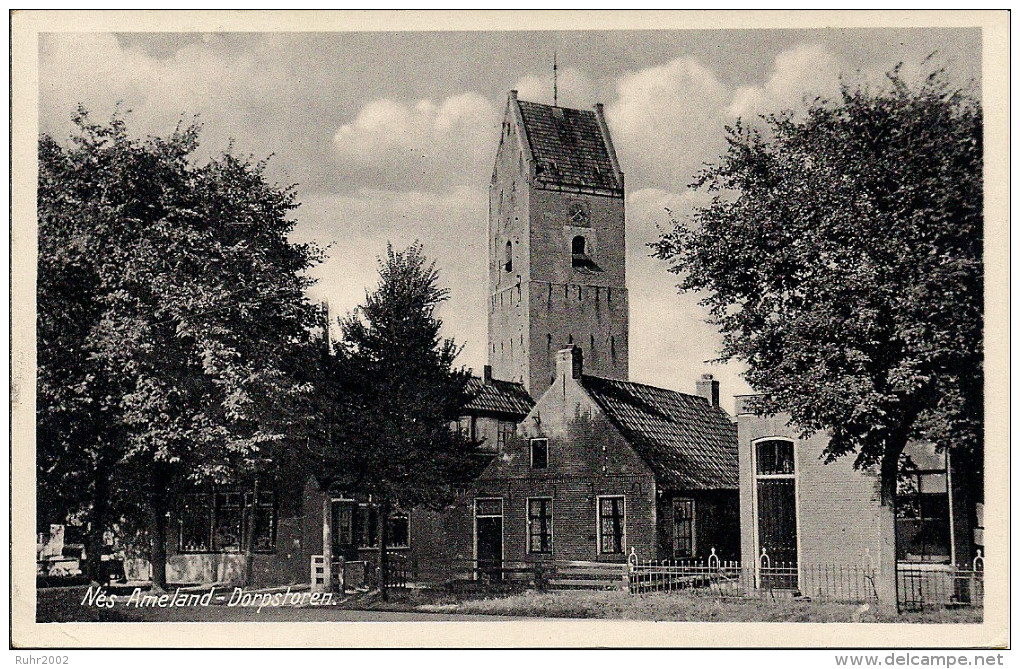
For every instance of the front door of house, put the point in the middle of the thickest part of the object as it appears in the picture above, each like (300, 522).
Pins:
(342, 529)
(489, 537)
(777, 531)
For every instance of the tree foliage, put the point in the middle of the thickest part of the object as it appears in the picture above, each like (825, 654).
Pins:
(841, 257)
(396, 391)
(170, 305)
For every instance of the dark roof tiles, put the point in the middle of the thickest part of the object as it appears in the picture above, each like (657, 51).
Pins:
(568, 147)
(499, 397)
(687, 442)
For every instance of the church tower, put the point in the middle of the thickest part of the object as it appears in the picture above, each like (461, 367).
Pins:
(557, 250)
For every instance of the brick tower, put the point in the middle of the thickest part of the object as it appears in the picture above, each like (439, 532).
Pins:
(557, 250)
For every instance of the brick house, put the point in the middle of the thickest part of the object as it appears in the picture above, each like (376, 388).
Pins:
(428, 540)
(805, 512)
(603, 466)
(208, 528)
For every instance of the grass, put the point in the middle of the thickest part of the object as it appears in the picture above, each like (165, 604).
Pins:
(683, 607)
(406, 599)
(65, 605)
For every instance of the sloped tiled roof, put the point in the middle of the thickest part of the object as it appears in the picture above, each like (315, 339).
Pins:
(568, 147)
(502, 397)
(687, 442)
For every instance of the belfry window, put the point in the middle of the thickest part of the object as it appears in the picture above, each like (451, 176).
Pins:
(578, 256)
(508, 260)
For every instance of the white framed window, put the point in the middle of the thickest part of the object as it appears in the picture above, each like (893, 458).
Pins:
(774, 503)
(612, 524)
(539, 453)
(540, 525)
(367, 528)
(683, 528)
(505, 430)
(218, 522)
(488, 507)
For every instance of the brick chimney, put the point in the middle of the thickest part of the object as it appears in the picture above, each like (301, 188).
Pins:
(487, 375)
(708, 388)
(569, 362)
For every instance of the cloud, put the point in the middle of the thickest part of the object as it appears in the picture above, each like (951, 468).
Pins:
(452, 227)
(426, 146)
(799, 75)
(264, 101)
(381, 158)
(665, 122)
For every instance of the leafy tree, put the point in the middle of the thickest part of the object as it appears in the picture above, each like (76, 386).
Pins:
(396, 393)
(841, 257)
(170, 306)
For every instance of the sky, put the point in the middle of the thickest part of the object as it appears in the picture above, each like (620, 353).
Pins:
(391, 136)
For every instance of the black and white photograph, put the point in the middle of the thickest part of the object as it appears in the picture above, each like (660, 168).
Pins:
(484, 325)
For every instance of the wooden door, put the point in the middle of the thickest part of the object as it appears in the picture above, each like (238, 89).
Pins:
(489, 540)
(342, 519)
(777, 531)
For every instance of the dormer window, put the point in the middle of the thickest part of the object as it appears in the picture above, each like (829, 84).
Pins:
(508, 260)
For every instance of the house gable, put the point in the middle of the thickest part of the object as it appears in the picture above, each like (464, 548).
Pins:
(581, 440)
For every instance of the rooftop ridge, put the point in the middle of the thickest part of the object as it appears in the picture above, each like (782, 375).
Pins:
(542, 104)
(646, 385)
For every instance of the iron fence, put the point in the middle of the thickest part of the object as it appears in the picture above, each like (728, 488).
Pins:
(767, 578)
(398, 570)
(918, 586)
(922, 586)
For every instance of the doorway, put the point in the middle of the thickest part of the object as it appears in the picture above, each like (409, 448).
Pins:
(342, 529)
(776, 502)
(489, 537)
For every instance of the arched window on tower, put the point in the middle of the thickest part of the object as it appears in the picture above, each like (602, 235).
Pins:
(578, 258)
(580, 253)
(508, 260)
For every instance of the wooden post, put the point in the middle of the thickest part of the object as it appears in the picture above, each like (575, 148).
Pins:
(327, 544)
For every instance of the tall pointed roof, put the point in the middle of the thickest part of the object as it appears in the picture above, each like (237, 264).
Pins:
(570, 147)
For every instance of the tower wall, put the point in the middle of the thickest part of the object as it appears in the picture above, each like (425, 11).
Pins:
(508, 222)
(553, 296)
(587, 305)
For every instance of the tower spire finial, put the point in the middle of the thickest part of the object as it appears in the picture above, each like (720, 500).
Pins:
(555, 92)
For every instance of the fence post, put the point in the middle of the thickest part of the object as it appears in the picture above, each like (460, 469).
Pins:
(628, 570)
(761, 565)
(541, 583)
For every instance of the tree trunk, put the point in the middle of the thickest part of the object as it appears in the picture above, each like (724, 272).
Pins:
(249, 536)
(158, 507)
(889, 470)
(384, 563)
(98, 517)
